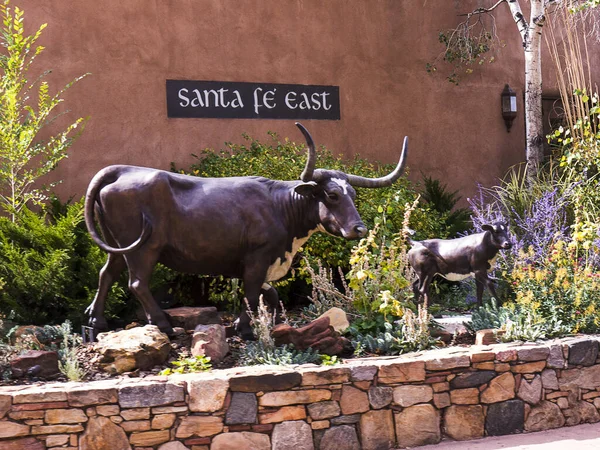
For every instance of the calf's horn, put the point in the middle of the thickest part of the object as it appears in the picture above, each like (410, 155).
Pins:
(307, 173)
(386, 181)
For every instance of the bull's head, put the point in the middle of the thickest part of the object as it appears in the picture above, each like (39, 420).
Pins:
(335, 193)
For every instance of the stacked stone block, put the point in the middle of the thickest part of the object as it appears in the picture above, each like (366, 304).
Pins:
(375, 403)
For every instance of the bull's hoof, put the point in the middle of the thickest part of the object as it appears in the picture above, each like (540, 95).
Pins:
(99, 325)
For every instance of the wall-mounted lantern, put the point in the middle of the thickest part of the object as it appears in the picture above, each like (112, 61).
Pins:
(509, 106)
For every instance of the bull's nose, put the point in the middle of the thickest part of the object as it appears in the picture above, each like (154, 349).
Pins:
(360, 230)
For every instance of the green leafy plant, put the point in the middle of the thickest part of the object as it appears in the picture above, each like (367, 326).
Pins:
(327, 360)
(186, 364)
(25, 156)
(487, 316)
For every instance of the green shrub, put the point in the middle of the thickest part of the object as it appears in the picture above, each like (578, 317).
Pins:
(50, 267)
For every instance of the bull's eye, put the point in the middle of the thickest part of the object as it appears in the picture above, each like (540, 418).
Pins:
(333, 197)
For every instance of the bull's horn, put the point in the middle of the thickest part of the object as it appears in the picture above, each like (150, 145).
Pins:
(357, 181)
(307, 173)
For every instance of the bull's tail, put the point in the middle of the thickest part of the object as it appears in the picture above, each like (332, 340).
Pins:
(107, 176)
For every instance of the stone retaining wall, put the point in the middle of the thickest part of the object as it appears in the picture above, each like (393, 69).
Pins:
(383, 403)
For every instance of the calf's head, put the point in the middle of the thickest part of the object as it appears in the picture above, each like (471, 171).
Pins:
(335, 193)
(498, 235)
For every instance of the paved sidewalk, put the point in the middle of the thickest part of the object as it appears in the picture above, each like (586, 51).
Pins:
(580, 437)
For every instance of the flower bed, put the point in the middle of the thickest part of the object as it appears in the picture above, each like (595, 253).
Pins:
(378, 403)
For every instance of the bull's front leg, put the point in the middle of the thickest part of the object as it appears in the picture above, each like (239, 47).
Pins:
(253, 277)
(271, 298)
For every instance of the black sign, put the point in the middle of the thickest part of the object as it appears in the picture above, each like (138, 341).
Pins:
(226, 100)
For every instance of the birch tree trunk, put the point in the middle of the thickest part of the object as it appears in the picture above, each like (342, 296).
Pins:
(531, 34)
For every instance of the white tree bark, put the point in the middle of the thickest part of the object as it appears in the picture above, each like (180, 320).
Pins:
(531, 35)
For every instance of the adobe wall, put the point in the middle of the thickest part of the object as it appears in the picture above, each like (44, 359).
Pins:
(379, 403)
(376, 52)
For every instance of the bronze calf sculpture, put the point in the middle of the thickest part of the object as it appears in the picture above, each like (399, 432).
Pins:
(239, 227)
(458, 259)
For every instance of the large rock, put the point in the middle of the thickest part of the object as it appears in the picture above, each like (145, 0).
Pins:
(531, 391)
(207, 395)
(137, 348)
(242, 409)
(148, 394)
(410, 394)
(295, 435)
(210, 340)
(353, 400)
(545, 416)
(35, 363)
(581, 412)
(377, 430)
(342, 437)
(418, 425)
(500, 389)
(337, 319)
(324, 410)
(189, 318)
(583, 352)
(505, 418)
(464, 423)
(29, 443)
(472, 379)
(102, 434)
(318, 334)
(380, 396)
(241, 440)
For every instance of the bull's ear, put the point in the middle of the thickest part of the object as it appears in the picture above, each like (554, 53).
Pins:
(487, 227)
(305, 189)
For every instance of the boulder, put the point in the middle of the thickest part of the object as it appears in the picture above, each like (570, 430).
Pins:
(102, 434)
(190, 317)
(210, 340)
(342, 437)
(294, 435)
(337, 319)
(35, 363)
(128, 350)
(545, 416)
(418, 425)
(319, 334)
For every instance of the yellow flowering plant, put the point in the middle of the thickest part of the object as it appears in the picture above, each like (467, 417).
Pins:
(564, 285)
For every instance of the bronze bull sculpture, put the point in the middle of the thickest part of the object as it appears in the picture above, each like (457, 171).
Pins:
(239, 227)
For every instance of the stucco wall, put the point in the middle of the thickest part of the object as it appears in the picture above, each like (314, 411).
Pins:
(375, 51)
(369, 404)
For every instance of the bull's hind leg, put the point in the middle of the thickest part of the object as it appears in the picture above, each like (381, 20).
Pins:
(115, 264)
(141, 266)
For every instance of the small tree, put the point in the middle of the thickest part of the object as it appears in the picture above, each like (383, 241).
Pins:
(24, 156)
